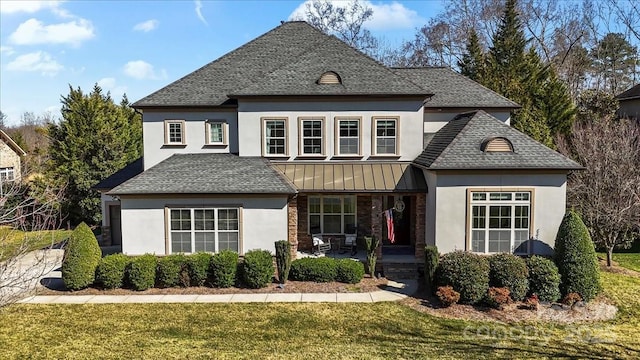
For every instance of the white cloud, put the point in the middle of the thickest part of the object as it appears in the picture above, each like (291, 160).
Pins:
(107, 83)
(146, 26)
(35, 61)
(111, 85)
(142, 70)
(27, 6)
(6, 50)
(34, 31)
(385, 16)
(199, 11)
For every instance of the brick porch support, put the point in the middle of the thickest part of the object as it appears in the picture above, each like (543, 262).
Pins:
(376, 221)
(292, 222)
(419, 207)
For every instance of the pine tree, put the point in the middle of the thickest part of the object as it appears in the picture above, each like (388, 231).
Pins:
(473, 60)
(94, 139)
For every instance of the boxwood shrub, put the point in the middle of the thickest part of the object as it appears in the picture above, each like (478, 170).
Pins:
(283, 260)
(322, 269)
(141, 272)
(257, 269)
(544, 278)
(224, 268)
(576, 258)
(509, 271)
(173, 271)
(431, 258)
(466, 273)
(81, 258)
(349, 271)
(110, 273)
(198, 265)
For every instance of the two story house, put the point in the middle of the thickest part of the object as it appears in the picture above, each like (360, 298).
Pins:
(296, 133)
(10, 159)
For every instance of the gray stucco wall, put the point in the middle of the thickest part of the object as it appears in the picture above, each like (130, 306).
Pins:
(448, 206)
(263, 221)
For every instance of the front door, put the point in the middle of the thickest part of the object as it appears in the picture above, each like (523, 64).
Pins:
(116, 224)
(401, 220)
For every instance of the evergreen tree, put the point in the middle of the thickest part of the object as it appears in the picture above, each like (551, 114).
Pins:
(94, 139)
(472, 64)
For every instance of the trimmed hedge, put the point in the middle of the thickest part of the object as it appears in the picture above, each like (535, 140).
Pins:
(283, 260)
(224, 268)
(576, 258)
(349, 271)
(110, 273)
(173, 271)
(467, 273)
(544, 278)
(322, 269)
(82, 255)
(198, 265)
(431, 258)
(257, 269)
(141, 272)
(509, 271)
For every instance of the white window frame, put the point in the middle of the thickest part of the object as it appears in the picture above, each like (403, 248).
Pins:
(216, 231)
(266, 138)
(302, 137)
(339, 120)
(484, 200)
(321, 214)
(167, 132)
(376, 137)
(223, 129)
(7, 174)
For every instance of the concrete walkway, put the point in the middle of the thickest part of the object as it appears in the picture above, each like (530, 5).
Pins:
(393, 292)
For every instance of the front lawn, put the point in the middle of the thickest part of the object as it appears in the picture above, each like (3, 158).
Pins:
(626, 260)
(301, 331)
(11, 240)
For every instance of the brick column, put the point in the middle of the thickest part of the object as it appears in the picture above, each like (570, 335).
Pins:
(292, 222)
(376, 221)
(304, 239)
(420, 210)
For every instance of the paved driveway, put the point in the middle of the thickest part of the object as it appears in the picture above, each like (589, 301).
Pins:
(20, 277)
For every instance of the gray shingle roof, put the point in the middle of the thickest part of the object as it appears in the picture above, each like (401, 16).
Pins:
(454, 90)
(207, 174)
(457, 147)
(632, 93)
(121, 175)
(286, 57)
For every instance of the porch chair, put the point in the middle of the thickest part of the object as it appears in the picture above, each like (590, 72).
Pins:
(320, 245)
(350, 240)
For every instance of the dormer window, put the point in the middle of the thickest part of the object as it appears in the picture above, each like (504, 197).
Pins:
(329, 78)
(497, 144)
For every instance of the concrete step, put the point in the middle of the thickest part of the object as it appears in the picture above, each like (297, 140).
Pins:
(400, 270)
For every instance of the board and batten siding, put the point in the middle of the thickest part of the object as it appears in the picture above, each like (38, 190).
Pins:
(263, 221)
(447, 204)
(251, 113)
(153, 127)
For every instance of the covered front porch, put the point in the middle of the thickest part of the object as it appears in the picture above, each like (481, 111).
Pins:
(337, 200)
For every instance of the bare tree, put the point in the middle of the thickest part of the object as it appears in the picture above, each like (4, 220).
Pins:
(607, 193)
(24, 214)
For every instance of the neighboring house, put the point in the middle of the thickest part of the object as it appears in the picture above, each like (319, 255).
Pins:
(629, 103)
(10, 158)
(297, 133)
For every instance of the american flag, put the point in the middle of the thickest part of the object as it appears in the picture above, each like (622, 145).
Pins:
(390, 233)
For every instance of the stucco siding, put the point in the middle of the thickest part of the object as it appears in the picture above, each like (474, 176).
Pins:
(263, 221)
(409, 113)
(155, 149)
(449, 227)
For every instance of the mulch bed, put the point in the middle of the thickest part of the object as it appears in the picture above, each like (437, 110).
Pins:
(366, 285)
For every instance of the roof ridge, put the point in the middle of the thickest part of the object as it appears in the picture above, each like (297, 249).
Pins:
(475, 82)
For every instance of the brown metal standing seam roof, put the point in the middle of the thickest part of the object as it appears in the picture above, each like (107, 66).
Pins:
(353, 177)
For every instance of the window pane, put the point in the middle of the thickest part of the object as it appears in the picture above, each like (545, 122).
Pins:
(349, 223)
(386, 145)
(499, 241)
(205, 241)
(349, 145)
(331, 205)
(275, 136)
(175, 132)
(180, 219)
(524, 196)
(349, 205)
(500, 196)
(479, 217)
(521, 236)
(332, 224)
(479, 196)
(314, 224)
(215, 133)
(228, 241)
(228, 219)
(314, 205)
(477, 240)
(180, 242)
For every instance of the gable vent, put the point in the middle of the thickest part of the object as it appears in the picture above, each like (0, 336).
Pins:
(497, 144)
(329, 78)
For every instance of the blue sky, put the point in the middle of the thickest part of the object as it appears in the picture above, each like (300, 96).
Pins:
(137, 47)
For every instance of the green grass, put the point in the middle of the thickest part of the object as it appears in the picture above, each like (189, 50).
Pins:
(630, 261)
(301, 331)
(11, 240)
